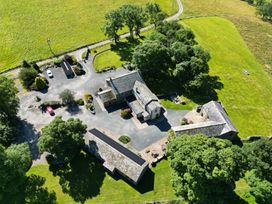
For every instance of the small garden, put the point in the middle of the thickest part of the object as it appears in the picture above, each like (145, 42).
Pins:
(124, 139)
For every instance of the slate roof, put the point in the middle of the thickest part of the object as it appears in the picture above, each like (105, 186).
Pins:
(209, 128)
(217, 123)
(115, 156)
(144, 94)
(124, 83)
(217, 113)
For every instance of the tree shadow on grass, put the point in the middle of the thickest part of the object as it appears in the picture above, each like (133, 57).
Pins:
(146, 184)
(169, 86)
(208, 90)
(82, 178)
(125, 49)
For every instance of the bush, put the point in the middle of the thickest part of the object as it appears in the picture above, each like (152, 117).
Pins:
(27, 76)
(89, 106)
(126, 113)
(80, 102)
(84, 55)
(40, 83)
(67, 97)
(88, 97)
(57, 62)
(36, 67)
(25, 64)
(70, 59)
(37, 99)
(53, 104)
(124, 139)
(79, 71)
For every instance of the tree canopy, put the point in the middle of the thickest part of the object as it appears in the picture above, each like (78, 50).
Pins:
(261, 189)
(14, 163)
(205, 169)
(27, 76)
(260, 157)
(67, 97)
(62, 139)
(9, 101)
(171, 54)
(133, 17)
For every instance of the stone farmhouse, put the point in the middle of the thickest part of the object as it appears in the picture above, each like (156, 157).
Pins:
(210, 119)
(132, 89)
(115, 157)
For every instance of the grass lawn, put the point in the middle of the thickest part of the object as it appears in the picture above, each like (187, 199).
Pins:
(117, 55)
(256, 33)
(168, 103)
(26, 24)
(87, 181)
(107, 59)
(247, 98)
(98, 187)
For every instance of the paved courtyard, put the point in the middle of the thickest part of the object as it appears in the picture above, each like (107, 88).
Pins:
(141, 135)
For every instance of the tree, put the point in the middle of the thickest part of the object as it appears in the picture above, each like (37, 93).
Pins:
(9, 101)
(62, 139)
(133, 17)
(113, 25)
(67, 97)
(260, 189)
(36, 194)
(155, 13)
(152, 58)
(264, 9)
(260, 157)
(40, 83)
(205, 169)
(14, 163)
(27, 76)
(7, 133)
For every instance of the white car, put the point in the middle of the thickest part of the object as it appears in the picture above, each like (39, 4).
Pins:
(49, 73)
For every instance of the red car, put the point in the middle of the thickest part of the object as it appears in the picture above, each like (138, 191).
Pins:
(50, 110)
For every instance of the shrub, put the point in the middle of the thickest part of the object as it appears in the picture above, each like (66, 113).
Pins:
(70, 59)
(36, 67)
(80, 102)
(126, 113)
(53, 104)
(37, 99)
(40, 83)
(67, 97)
(27, 76)
(25, 64)
(89, 106)
(79, 71)
(84, 55)
(124, 139)
(88, 97)
(57, 62)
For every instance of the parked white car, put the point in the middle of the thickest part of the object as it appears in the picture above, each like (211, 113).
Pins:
(49, 73)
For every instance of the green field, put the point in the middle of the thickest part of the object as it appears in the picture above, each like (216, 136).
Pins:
(247, 98)
(25, 26)
(99, 187)
(256, 33)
